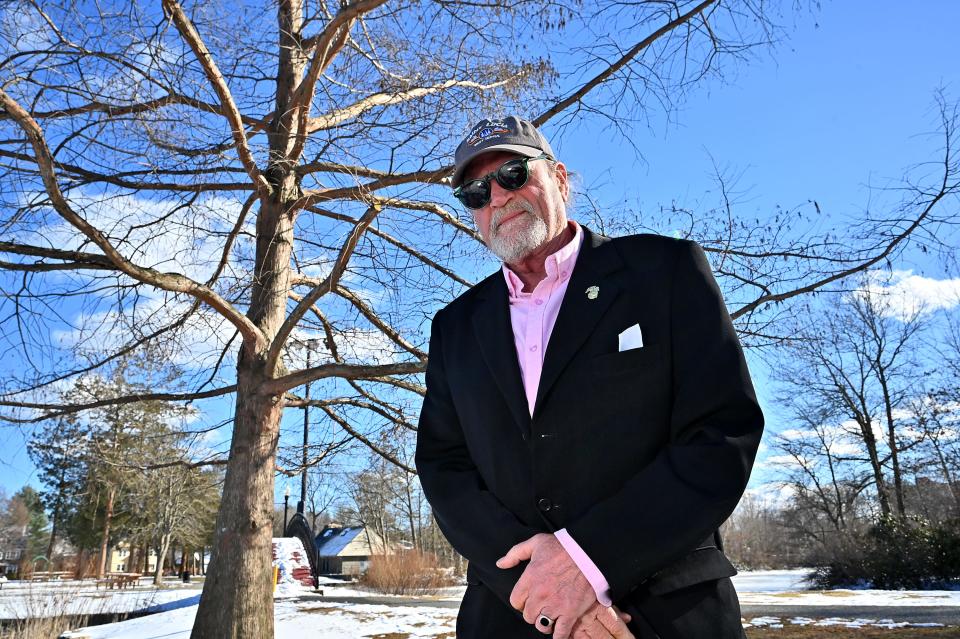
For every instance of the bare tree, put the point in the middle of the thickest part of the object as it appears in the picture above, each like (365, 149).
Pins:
(216, 180)
(850, 373)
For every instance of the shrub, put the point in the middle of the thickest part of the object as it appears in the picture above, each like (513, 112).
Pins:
(409, 572)
(895, 554)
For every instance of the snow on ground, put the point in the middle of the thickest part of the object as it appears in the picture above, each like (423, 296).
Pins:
(772, 580)
(21, 600)
(319, 619)
(789, 588)
(777, 622)
(295, 620)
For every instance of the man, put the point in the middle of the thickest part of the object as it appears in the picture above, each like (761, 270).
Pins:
(589, 419)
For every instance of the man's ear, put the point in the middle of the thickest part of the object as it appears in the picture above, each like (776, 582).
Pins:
(563, 180)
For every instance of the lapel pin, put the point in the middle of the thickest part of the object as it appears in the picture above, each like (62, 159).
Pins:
(593, 292)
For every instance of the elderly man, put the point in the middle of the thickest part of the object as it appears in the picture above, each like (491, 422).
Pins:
(589, 419)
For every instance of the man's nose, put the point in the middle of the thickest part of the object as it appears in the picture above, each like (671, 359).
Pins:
(498, 195)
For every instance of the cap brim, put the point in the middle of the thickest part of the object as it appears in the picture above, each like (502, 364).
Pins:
(521, 149)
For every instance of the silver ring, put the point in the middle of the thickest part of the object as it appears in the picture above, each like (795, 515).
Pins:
(544, 622)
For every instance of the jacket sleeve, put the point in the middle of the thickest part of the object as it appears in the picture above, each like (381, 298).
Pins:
(669, 506)
(475, 522)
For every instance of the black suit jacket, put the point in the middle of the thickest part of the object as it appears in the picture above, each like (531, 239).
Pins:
(640, 455)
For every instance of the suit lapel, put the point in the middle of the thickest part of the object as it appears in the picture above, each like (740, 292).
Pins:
(491, 324)
(580, 312)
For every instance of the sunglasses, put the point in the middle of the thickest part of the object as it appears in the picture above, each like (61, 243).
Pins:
(512, 175)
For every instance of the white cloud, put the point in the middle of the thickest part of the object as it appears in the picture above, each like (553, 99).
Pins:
(200, 341)
(771, 494)
(794, 434)
(902, 294)
(154, 233)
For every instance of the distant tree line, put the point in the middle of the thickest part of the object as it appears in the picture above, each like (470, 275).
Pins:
(870, 462)
(122, 474)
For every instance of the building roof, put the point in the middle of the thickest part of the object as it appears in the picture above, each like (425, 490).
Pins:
(331, 541)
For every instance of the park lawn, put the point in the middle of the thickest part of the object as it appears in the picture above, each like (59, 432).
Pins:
(839, 632)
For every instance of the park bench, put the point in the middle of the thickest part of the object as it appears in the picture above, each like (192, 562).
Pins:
(119, 580)
(50, 576)
(43, 575)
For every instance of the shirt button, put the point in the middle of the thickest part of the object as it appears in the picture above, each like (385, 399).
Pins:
(539, 302)
(563, 275)
(533, 349)
(545, 504)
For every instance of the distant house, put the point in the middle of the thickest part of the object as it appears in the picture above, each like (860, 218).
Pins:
(347, 550)
(120, 556)
(13, 548)
(10, 555)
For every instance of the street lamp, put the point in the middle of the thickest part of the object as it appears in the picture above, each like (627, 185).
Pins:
(286, 501)
(308, 345)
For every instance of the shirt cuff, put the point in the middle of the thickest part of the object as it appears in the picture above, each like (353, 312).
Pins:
(586, 566)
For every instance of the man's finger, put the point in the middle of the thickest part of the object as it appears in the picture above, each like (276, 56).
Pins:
(623, 615)
(530, 613)
(520, 552)
(520, 592)
(563, 628)
(610, 619)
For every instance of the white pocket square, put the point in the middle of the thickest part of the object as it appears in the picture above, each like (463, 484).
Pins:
(631, 338)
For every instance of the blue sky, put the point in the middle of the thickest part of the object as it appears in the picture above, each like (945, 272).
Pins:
(845, 101)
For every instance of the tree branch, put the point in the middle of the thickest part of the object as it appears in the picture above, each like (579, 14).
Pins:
(389, 238)
(190, 35)
(114, 110)
(345, 371)
(601, 77)
(59, 410)
(338, 117)
(366, 442)
(167, 281)
(328, 284)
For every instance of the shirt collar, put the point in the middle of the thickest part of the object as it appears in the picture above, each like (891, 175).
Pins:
(560, 261)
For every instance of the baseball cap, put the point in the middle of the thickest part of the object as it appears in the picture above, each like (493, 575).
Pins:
(508, 134)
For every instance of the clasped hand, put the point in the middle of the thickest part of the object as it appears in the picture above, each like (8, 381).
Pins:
(553, 585)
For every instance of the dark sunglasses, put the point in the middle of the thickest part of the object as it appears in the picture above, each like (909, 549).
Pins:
(512, 175)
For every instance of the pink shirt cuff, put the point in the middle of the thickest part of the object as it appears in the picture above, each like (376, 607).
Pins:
(586, 566)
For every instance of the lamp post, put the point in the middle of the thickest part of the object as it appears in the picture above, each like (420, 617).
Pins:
(308, 345)
(286, 501)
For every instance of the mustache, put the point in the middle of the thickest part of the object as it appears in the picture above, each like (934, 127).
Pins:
(511, 208)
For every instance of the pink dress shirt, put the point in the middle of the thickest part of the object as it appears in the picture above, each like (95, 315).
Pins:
(532, 316)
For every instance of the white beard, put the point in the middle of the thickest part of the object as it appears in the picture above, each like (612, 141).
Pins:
(527, 233)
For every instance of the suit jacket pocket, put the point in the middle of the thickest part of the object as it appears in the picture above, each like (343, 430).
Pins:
(705, 564)
(635, 360)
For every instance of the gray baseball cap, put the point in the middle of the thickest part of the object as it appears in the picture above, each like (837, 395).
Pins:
(508, 134)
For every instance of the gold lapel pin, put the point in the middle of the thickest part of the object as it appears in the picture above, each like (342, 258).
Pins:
(593, 292)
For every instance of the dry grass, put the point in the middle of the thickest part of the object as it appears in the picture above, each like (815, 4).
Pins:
(41, 628)
(45, 615)
(406, 573)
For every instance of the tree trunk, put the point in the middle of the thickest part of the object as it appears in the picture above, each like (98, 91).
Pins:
(161, 552)
(866, 431)
(237, 599)
(892, 442)
(78, 572)
(55, 516)
(101, 566)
